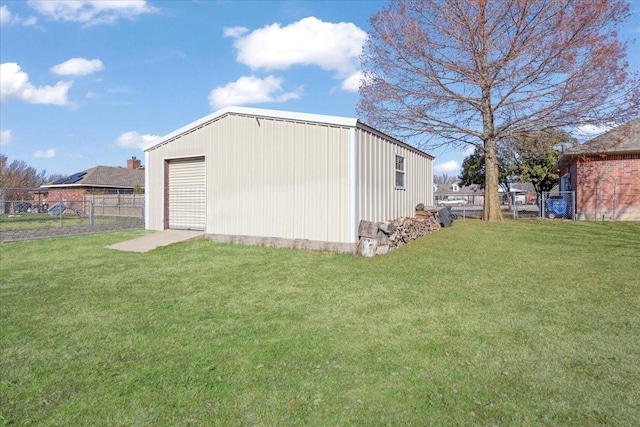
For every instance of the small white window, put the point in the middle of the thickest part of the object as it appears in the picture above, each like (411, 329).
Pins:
(400, 172)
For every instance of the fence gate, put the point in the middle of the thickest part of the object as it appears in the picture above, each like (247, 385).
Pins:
(559, 204)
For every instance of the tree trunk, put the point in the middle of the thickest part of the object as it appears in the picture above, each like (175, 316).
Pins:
(491, 211)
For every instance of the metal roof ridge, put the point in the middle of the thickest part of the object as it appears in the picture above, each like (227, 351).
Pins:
(260, 112)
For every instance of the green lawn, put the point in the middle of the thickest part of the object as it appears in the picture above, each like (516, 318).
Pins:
(31, 221)
(513, 323)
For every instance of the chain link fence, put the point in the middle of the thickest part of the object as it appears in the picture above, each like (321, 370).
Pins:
(555, 204)
(559, 204)
(36, 218)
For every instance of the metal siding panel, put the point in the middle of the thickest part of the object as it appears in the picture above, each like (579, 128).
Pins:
(280, 183)
(379, 200)
(189, 145)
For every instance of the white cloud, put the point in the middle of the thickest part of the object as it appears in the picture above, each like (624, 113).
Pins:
(78, 67)
(133, 139)
(450, 166)
(353, 82)
(45, 154)
(468, 150)
(591, 130)
(8, 18)
(91, 12)
(5, 137)
(310, 41)
(234, 31)
(30, 21)
(14, 83)
(5, 15)
(250, 90)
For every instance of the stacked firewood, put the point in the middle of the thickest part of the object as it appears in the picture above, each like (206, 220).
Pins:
(378, 238)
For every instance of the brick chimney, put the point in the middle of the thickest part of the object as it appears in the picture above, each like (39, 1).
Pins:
(133, 163)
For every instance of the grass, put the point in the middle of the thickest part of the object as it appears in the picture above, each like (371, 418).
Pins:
(31, 221)
(513, 323)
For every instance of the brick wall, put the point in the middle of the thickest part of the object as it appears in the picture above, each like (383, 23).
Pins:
(66, 194)
(608, 187)
(74, 194)
(133, 163)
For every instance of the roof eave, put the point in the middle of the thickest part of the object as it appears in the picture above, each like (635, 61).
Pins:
(90, 185)
(566, 158)
(256, 112)
(373, 130)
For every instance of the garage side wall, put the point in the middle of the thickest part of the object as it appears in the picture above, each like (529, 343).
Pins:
(265, 177)
(192, 145)
(378, 197)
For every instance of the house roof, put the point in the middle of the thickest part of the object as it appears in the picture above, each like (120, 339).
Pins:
(277, 114)
(623, 139)
(447, 190)
(102, 176)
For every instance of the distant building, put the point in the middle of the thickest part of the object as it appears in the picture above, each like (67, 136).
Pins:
(605, 174)
(98, 180)
(472, 194)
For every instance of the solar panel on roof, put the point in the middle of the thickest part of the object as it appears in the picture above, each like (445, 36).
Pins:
(71, 179)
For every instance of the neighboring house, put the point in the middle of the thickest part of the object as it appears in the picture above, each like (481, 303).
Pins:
(473, 194)
(97, 180)
(250, 175)
(605, 174)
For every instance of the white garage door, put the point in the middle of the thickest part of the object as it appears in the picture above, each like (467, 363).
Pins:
(187, 203)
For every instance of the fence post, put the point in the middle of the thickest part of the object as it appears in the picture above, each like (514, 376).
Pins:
(61, 208)
(90, 212)
(542, 205)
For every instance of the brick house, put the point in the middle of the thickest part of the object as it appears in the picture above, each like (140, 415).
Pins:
(97, 180)
(605, 174)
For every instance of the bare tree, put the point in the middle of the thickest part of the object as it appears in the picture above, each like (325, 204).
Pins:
(54, 177)
(17, 177)
(444, 178)
(462, 72)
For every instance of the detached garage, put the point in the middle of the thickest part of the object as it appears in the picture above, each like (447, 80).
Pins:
(281, 178)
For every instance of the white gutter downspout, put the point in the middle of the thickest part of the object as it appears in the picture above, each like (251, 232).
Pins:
(353, 184)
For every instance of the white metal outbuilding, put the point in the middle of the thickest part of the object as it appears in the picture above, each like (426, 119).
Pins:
(246, 175)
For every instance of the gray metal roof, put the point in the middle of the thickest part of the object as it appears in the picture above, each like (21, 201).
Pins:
(107, 177)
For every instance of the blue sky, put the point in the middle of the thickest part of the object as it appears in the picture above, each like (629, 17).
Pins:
(88, 83)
